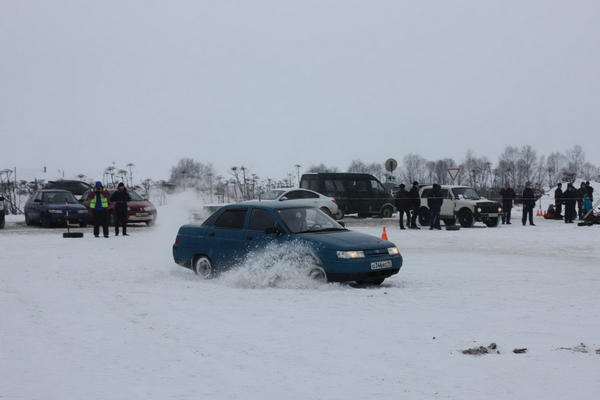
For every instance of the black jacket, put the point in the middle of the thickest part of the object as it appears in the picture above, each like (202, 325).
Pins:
(558, 196)
(435, 200)
(528, 198)
(414, 196)
(403, 201)
(120, 199)
(508, 195)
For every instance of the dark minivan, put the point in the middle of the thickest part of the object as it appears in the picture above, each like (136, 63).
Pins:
(361, 194)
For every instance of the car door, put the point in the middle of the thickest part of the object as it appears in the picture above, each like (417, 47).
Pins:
(34, 206)
(262, 229)
(225, 238)
(447, 205)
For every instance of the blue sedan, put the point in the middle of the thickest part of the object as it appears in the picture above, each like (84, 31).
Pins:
(236, 230)
(49, 207)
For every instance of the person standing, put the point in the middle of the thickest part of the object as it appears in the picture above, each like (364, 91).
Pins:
(403, 204)
(416, 204)
(120, 198)
(581, 192)
(558, 201)
(434, 202)
(508, 196)
(528, 204)
(99, 203)
(570, 198)
(590, 191)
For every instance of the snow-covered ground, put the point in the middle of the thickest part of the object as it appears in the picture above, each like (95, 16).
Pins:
(97, 318)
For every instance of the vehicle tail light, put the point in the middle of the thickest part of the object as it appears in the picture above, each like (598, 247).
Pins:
(177, 239)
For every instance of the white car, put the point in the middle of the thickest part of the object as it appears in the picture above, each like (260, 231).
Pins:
(325, 203)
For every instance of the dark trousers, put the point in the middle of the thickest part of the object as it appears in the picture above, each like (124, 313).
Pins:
(557, 210)
(121, 220)
(570, 213)
(413, 219)
(401, 213)
(507, 208)
(527, 211)
(435, 220)
(101, 217)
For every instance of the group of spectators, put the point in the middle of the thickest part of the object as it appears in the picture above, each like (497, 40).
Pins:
(582, 197)
(409, 202)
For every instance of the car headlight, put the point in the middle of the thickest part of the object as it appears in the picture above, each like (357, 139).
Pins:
(478, 209)
(351, 254)
(55, 211)
(393, 251)
(499, 209)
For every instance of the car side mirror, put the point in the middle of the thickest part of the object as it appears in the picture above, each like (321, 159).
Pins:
(274, 230)
(283, 198)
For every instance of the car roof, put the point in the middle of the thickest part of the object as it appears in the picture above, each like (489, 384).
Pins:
(52, 190)
(274, 204)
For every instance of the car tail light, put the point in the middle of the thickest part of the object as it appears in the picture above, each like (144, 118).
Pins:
(177, 239)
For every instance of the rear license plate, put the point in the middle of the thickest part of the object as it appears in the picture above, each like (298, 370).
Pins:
(381, 264)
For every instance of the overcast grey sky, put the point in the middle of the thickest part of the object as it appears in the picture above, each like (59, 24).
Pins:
(272, 84)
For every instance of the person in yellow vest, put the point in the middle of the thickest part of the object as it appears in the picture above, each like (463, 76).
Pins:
(99, 204)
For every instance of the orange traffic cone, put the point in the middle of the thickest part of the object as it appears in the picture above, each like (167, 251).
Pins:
(384, 234)
(539, 213)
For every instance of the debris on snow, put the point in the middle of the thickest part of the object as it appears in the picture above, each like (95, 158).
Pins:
(482, 350)
(520, 351)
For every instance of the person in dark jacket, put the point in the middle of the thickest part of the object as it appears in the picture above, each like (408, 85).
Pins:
(508, 196)
(120, 198)
(416, 204)
(434, 202)
(403, 204)
(99, 203)
(528, 204)
(590, 191)
(558, 201)
(570, 199)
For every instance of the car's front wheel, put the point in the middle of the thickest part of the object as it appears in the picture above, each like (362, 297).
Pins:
(318, 274)
(28, 220)
(203, 267)
(466, 219)
(326, 211)
(44, 221)
(492, 222)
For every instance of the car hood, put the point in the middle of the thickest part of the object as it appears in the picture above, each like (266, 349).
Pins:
(345, 240)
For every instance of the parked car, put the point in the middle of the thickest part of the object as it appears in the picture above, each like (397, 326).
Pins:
(327, 204)
(361, 194)
(2, 213)
(236, 230)
(461, 203)
(138, 209)
(75, 187)
(50, 207)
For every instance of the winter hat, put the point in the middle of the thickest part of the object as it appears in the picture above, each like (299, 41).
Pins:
(402, 186)
(121, 184)
(415, 183)
(98, 184)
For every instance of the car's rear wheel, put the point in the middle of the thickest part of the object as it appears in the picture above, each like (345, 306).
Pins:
(203, 267)
(326, 210)
(424, 217)
(386, 212)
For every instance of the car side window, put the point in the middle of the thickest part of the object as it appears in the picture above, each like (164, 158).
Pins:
(446, 194)
(309, 195)
(260, 220)
(294, 194)
(232, 219)
(425, 193)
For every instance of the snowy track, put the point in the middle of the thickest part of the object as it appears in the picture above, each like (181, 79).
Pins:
(115, 318)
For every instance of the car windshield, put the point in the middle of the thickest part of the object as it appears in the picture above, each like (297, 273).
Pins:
(308, 219)
(465, 193)
(273, 194)
(58, 197)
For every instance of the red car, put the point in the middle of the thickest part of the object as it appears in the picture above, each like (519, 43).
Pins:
(138, 209)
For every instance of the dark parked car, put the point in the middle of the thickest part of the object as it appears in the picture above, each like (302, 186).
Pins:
(49, 207)
(232, 232)
(138, 209)
(75, 187)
